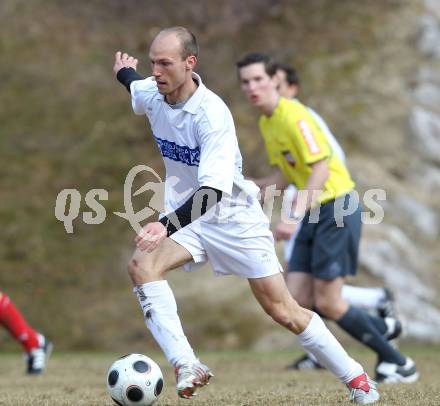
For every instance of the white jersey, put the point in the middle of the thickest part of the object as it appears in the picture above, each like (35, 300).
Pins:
(200, 148)
(198, 144)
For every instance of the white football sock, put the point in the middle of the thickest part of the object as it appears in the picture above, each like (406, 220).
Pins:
(368, 298)
(312, 357)
(318, 340)
(160, 312)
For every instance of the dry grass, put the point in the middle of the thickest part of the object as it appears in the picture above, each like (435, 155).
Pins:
(242, 378)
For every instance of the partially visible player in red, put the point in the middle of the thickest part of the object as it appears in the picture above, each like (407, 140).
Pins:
(36, 346)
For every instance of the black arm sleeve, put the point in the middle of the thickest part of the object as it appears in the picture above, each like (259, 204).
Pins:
(196, 206)
(128, 75)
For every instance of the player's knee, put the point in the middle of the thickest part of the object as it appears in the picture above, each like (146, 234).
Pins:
(304, 301)
(132, 268)
(141, 272)
(303, 295)
(327, 308)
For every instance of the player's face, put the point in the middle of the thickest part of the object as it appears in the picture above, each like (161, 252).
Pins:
(284, 88)
(168, 67)
(257, 85)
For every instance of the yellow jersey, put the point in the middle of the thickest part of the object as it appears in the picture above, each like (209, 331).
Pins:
(294, 141)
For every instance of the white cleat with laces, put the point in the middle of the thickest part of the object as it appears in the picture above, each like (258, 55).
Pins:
(387, 372)
(363, 390)
(191, 376)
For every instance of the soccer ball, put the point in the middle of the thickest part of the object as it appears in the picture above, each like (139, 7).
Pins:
(134, 380)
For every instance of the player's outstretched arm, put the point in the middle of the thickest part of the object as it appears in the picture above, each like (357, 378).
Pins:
(276, 180)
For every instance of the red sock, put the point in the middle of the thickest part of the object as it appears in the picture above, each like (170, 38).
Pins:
(360, 382)
(12, 319)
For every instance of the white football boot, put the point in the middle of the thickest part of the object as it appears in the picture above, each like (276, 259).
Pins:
(363, 390)
(191, 376)
(387, 372)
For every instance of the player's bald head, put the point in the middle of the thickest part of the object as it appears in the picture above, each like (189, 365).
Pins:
(186, 40)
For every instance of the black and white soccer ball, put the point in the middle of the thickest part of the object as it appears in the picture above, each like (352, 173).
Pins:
(134, 380)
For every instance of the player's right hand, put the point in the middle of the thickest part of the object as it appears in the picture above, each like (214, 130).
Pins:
(150, 236)
(284, 231)
(123, 60)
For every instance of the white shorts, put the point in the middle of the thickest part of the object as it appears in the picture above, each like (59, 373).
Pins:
(243, 246)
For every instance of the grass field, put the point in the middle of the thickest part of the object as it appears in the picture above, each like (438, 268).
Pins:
(241, 378)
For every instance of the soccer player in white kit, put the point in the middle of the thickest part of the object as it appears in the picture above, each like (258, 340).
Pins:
(219, 219)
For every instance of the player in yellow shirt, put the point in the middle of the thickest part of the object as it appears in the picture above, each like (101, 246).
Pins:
(295, 143)
(325, 250)
(378, 300)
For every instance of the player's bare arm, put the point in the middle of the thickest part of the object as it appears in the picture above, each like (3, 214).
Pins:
(316, 182)
(276, 179)
(304, 201)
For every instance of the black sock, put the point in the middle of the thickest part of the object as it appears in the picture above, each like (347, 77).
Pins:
(359, 325)
(379, 322)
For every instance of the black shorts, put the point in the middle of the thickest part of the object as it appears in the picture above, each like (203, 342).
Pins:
(322, 248)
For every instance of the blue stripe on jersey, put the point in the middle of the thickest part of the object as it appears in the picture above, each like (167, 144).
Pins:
(180, 153)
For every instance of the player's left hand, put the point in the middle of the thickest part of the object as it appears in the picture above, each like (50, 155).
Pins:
(284, 231)
(151, 236)
(123, 60)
